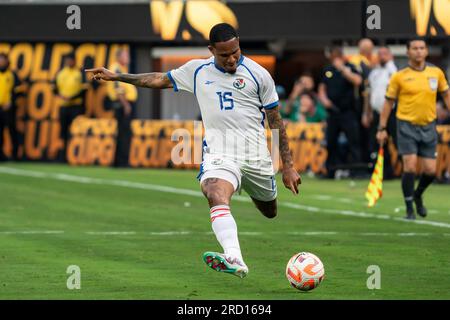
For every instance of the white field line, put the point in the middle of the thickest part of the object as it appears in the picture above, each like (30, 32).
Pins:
(182, 191)
(111, 233)
(32, 232)
(170, 233)
(242, 233)
(312, 233)
(322, 197)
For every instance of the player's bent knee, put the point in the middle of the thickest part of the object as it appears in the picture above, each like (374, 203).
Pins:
(216, 197)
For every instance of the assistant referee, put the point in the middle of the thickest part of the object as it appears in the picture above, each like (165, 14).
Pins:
(415, 88)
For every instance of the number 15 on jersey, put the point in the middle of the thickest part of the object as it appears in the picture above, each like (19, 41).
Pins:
(226, 100)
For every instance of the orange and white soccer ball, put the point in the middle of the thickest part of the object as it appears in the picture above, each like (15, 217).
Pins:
(305, 271)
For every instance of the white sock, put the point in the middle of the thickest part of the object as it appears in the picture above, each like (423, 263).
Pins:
(225, 229)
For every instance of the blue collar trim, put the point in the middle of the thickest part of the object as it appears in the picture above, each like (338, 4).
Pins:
(223, 70)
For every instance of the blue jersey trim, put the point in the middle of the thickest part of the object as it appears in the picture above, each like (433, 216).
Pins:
(195, 74)
(240, 60)
(271, 106)
(175, 87)
(219, 68)
(257, 83)
(263, 117)
(204, 146)
(225, 71)
(199, 176)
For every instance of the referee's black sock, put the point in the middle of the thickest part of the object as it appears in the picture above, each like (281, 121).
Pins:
(424, 182)
(408, 190)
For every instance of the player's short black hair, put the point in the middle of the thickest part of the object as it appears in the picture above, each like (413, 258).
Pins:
(408, 43)
(222, 32)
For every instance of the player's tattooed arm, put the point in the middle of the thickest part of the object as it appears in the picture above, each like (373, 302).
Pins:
(276, 122)
(155, 80)
(291, 178)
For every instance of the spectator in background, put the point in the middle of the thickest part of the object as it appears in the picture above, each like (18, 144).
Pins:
(9, 84)
(123, 97)
(281, 92)
(378, 82)
(304, 84)
(310, 111)
(70, 86)
(336, 93)
(363, 61)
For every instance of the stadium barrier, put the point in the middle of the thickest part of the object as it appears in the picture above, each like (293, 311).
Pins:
(154, 142)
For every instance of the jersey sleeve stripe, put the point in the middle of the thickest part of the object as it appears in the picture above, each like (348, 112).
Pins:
(271, 105)
(175, 87)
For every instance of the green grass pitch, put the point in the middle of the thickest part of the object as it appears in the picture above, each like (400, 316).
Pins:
(134, 239)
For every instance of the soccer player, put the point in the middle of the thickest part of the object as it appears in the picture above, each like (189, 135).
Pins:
(415, 88)
(231, 90)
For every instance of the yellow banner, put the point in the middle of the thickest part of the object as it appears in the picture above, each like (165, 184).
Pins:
(156, 143)
(37, 108)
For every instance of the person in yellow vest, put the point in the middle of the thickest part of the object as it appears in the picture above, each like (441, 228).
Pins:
(123, 97)
(9, 83)
(70, 87)
(415, 88)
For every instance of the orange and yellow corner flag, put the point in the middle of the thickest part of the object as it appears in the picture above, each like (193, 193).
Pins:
(375, 189)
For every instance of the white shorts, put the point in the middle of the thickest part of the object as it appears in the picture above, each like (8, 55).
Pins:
(257, 180)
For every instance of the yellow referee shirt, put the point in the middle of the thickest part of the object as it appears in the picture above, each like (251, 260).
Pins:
(117, 87)
(8, 81)
(69, 83)
(416, 93)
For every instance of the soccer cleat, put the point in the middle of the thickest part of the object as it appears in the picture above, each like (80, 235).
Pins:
(420, 208)
(225, 263)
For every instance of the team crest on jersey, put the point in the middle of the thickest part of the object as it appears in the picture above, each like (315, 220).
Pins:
(217, 162)
(433, 82)
(239, 83)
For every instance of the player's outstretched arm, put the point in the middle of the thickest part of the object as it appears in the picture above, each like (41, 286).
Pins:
(154, 80)
(291, 178)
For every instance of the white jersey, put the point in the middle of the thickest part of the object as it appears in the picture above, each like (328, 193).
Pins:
(378, 82)
(231, 105)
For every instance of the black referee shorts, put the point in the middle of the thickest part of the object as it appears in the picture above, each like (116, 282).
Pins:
(415, 139)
